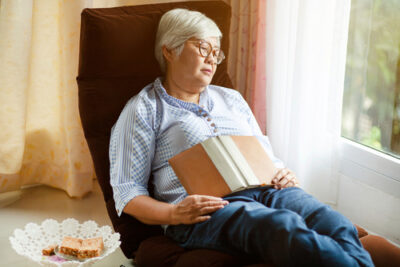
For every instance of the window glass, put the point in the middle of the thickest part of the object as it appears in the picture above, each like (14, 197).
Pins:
(371, 100)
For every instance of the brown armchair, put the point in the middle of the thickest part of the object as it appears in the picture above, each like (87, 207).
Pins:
(116, 61)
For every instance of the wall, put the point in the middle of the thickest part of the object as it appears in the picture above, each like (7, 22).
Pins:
(376, 211)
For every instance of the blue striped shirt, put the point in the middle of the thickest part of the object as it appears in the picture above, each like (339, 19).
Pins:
(154, 126)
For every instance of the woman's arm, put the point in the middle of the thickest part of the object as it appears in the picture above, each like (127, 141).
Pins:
(192, 209)
(132, 145)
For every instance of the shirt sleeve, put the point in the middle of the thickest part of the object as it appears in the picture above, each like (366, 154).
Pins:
(264, 140)
(132, 145)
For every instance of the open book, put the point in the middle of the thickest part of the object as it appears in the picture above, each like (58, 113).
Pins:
(224, 164)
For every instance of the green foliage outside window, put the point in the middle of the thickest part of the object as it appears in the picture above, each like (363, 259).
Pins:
(371, 102)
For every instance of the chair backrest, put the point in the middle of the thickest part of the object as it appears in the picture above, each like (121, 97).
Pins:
(116, 61)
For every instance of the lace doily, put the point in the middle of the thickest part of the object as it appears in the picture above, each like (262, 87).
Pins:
(30, 241)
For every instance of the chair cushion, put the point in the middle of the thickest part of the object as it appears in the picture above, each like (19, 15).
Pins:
(162, 251)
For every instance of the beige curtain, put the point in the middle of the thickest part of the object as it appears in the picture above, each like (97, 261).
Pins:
(41, 138)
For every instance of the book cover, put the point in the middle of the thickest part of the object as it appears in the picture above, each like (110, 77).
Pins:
(222, 165)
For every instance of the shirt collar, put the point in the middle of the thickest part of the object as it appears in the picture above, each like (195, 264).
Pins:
(204, 101)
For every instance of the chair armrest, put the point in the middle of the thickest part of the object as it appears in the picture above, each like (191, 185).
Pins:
(383, 253)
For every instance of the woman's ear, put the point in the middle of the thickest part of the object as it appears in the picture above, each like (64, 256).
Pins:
(168, 54)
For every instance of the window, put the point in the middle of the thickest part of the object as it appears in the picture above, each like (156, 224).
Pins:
(371, 101)
(371, 98)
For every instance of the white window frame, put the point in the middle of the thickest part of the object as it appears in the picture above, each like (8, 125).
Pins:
(370, 166)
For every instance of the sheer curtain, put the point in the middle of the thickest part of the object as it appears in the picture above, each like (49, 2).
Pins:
(306, 52)
(41, 138)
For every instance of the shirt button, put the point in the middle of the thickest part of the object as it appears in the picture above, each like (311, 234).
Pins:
(212, 124)
(208, 119)
(204, 115)
(215, 130)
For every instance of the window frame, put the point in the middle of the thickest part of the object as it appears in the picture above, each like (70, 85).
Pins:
(370, 166)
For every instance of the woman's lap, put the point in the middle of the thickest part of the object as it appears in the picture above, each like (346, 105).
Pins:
(277, 225)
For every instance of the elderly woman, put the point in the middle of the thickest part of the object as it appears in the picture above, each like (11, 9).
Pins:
(279, 223)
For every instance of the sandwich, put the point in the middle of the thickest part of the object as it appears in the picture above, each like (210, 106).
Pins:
(70, 246)
(91, 247)
(49, 250)
(82, 248)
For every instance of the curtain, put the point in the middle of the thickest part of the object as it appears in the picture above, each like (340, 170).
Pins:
(247, 61)
(306, 53)
(41, 138)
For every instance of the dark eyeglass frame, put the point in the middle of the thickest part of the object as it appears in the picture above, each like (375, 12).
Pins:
(218, 54)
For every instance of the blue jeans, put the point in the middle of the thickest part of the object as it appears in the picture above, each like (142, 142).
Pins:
(285, 227)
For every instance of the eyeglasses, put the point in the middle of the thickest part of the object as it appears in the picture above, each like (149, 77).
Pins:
(205, 49)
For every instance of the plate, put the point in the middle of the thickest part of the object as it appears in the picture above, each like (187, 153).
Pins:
(30, 241)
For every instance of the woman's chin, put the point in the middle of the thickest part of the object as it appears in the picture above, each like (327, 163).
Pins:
(206, 80)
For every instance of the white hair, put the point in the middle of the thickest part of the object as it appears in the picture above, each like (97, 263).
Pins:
(177, 26)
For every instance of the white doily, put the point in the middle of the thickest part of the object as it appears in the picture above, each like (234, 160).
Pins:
(30, 241)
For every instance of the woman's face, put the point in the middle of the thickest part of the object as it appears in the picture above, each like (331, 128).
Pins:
(190, 70)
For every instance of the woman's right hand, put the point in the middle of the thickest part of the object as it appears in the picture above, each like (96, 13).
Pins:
(195, 208)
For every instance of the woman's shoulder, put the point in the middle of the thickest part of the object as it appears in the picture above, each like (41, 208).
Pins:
(139, 110)
(144, 99)
(143, 104)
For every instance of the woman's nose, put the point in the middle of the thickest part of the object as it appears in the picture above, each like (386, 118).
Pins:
(211, 58)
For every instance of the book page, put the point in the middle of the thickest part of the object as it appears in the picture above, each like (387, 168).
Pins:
(224, 163)
(239, 160)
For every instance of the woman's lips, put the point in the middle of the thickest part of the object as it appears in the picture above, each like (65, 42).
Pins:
(207, 71)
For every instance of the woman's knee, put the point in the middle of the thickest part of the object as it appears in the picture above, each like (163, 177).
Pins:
(276, 222)
(260, 219)
(285, 220)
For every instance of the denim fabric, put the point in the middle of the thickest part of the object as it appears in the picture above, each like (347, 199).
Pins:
(287, 227)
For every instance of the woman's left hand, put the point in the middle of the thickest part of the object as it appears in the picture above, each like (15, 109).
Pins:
(284, 178)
